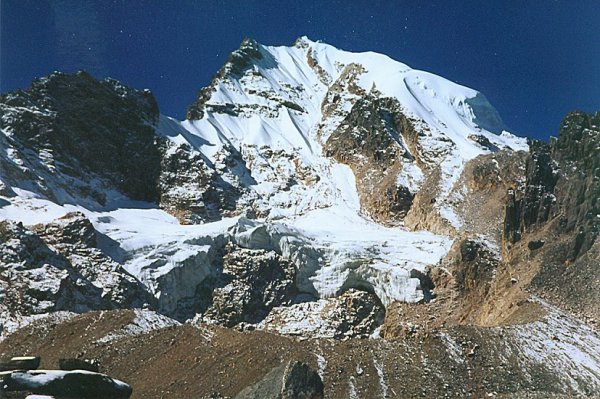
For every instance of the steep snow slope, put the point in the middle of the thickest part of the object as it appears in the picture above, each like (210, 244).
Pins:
(301, 75)
(280, 99)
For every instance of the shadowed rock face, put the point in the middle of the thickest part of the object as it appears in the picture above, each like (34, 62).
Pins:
(82, 126)
(559, 207)
(562, 186)
(537, 199)
(238, 61)
(74, 139)
(374, 140)
(294, 381)
(57, 267)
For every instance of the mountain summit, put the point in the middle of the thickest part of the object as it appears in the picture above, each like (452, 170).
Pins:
(311, 193)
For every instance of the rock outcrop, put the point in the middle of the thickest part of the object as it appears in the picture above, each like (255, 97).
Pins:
(72, 139)
(373, 139)
(251, 283)
(57, 266)
(237, 63)
(353, 314)
(192, 189)
(296, 380)
(94, 133)
(553, 221)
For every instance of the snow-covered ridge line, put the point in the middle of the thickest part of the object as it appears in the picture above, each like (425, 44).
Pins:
(285, 72)
(249, 105)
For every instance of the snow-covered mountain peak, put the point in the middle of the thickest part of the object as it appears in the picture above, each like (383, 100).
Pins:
(347, 165)
(298, 101)
(293, 83)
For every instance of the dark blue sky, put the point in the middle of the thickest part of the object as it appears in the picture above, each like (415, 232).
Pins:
(534, 60)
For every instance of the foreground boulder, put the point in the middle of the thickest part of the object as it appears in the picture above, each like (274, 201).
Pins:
(76, 384)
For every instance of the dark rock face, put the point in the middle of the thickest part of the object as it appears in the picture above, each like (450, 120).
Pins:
(560, 206)
(56, 267)
(530, 208)
(577, 150)
(541, 175)
(74, 139)
(562, 186)
(251, 284)
(81, 127)
(238, 62)
(294, 381)
(374, 140)
(192, 190)
(512, 219)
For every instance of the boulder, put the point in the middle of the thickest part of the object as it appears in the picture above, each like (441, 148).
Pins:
(296, 380)
(535, 244)
(300, 381)
(71, 384)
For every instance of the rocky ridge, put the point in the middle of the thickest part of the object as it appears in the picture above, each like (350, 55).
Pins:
(553, 220)
(55, 128)
(57, 267)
